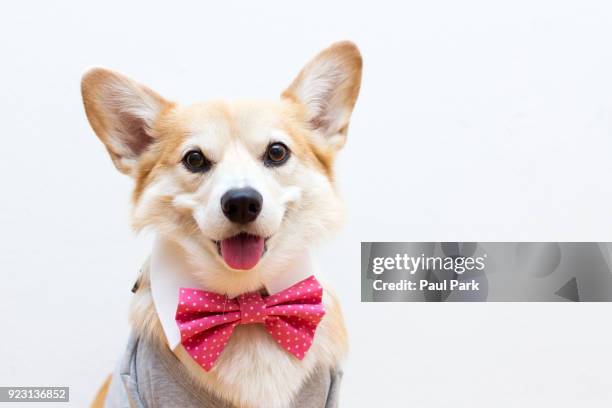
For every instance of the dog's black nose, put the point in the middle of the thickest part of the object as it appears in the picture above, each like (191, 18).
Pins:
(241, 205)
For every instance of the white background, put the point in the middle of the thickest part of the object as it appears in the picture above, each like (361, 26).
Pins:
(477, 120)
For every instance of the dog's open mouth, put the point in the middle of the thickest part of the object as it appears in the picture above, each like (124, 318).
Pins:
(242, 251)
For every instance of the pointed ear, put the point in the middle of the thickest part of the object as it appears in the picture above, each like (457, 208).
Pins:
(122, 113)
(328, 87)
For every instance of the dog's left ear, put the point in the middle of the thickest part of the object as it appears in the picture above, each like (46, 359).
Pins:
(328, 87)
(123, 114)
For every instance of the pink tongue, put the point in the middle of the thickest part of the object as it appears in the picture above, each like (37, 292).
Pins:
(242, 251)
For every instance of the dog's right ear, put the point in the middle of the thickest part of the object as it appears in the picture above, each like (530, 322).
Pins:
(122, 113)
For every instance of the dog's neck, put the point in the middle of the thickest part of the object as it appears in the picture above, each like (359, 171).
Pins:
(253, 381)
(171, 269)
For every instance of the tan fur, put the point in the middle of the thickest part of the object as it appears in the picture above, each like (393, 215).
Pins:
(147, 137)
(98, 401)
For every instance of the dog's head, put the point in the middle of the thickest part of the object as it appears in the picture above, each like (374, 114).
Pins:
(241, 185)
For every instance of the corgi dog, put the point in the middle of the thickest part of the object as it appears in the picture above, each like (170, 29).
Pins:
(238, 190)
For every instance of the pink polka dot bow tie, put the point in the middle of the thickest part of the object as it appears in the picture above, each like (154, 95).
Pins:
(206, 320)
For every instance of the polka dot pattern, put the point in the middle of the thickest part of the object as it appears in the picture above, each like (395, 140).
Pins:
(206, 320)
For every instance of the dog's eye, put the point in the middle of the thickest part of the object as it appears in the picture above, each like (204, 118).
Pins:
(276, 154)
(195, 161)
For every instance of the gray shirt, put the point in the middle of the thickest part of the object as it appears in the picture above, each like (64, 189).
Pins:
(150, 375)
